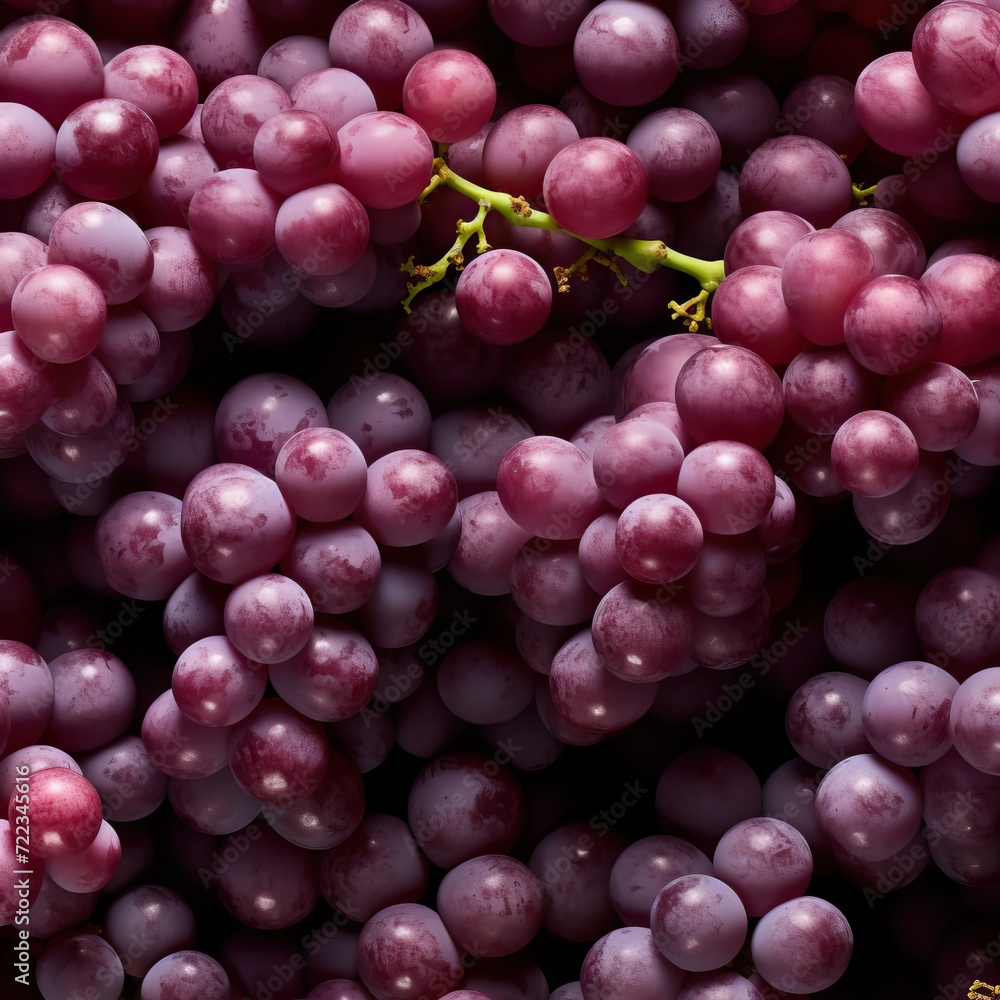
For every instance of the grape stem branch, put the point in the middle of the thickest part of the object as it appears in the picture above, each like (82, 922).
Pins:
(644, 255)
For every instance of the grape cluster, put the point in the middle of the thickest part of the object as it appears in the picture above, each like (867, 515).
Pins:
(419, 580)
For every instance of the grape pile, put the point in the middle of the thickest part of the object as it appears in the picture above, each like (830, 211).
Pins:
(420, 580)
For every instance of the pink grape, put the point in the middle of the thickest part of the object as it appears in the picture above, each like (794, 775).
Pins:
(639, 535)
(29, 143)
(972, 723)
(322, 473)
(295, 149)
(626, 53)
(627, 959)
(185, 280)
(58, 312)
(106, 149)
(64, 810)
(938, 402)
(50, 65)
(503, 297)
(698, 923)
(214, 684)
(728, 484)
(576, 192)
(450, 93)
(874, 453)
(290, 58)
(803, 945)
(179, 747)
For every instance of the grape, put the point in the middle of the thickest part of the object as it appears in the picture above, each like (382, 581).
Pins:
(720, 985)
(64, 810)
(766, 861)
(27, 681)
(329, 815)
(214, 804)
(157, 80)
(703, 792)
(129, 783)
(94, 696)
(234, 522)
(50, 65)
(874, 454)
(823, 386)
(29, 149)
(180, 747)
(802, 945)
(710, 406)
(590, 696)
(574, 863)
(56, 910)
(577, 185)
(292, 57)
(698, 922)
(182, 165)
(639, 538)
(892, 325)
(951, 280)
(503, 297)
(627, 960)
(960, 801)
(848, 265)
(796, 174)
(79, 964)
(748, 312)
(232, 216)
(295, 149)
(868, 806)
(635, 458)
(58, 312)
(90, 868)
(484, 684)
(822, 107)
(276, 754)
(185, 974)
(728, 484)
(824, 720)
(626, 53)
(106, 149)
(789, 795)
(936, 401)
(495, 901)
(378, 865)
(972, 722)
(648, 865)
(954, 57)
(405, 951)
(184, 282)
(450, 93)
(214, 684)
(680, 151)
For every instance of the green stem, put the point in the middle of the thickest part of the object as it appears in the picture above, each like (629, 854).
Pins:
(645, 255)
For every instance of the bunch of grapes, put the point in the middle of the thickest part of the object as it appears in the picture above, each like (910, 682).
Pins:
(497, 499)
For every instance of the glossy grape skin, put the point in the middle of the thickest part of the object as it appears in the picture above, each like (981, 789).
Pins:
(276, 754)
(129, 783)
(766, 861)
(58, 311)
(905, 712)
(410, 937)
(648, 865)
(106, 149)
(710, 406)
(874, 454)
(94, 696)
(768, 180)
(698, 923)
(625, 53)
(450, 93)
(728, 484)
(492, 905)
(50, 65)
(214, 684)
(938, 402)
(29, 147)
(802, 945)
(869, 807)
(27, 681)
(157, 80)
(330, 814)
(582, 169)
(972, 722)
(214, 804)
(221, 526)
(626, 960)
(78, 964)
(64, 811)
(184, 282)
(960, 801)
(179, 747)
